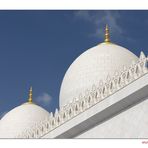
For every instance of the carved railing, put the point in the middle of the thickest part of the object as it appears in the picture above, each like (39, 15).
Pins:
(89, 98)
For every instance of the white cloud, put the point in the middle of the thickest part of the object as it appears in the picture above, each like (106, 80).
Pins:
(99, 19)
(85, 15)
(44, 99)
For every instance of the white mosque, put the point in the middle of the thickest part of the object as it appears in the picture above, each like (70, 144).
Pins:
(104, 94)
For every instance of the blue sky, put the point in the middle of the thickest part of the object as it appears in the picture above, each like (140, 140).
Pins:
(37, 47)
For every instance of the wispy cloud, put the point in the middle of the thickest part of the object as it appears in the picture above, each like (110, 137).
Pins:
(99, 19)
(44, 99)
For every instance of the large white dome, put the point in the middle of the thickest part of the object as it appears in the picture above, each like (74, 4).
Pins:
(21, 118)
(91, 67)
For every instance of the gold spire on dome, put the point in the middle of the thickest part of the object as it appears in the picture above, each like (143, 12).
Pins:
(30, 95)
(107, 35)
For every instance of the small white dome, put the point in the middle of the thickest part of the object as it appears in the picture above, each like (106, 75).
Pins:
(21, 118)
(91, 67)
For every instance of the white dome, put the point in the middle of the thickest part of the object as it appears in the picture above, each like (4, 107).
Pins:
(21, 118)
(91, 67)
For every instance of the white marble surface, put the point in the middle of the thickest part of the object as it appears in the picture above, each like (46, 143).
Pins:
(91, 67)
(20, 119)
(132, 123)
(123, 125)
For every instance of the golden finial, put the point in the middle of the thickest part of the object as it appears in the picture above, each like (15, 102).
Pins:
(107, 37)
(30, 95)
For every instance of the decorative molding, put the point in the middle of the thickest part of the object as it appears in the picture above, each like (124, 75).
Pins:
(89, 98)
